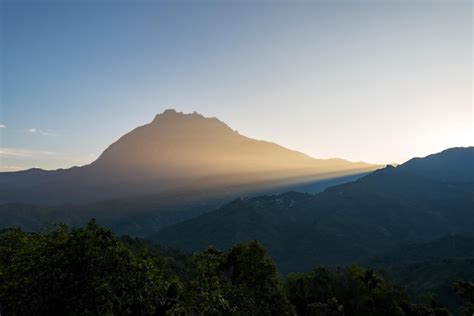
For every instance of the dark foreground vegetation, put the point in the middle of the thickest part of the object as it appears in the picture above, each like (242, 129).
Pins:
(88, 271)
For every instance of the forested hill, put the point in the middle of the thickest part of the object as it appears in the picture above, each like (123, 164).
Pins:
(345, 223)
(89, 271)
(428, 270)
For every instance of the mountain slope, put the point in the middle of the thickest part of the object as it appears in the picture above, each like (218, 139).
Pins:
(454, 165)
(430, 268)
(174, 151)
(344, 223)
(143, 215)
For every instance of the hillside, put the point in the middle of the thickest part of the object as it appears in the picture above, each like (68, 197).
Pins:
(345, 223)
(428, 270)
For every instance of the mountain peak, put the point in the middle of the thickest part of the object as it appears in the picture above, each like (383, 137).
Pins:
(168, 113)
(173, 123)
(172, 114)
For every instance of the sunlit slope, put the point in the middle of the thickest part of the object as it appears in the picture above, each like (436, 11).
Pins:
(177, 145)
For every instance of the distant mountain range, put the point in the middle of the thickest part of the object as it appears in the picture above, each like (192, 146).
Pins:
(420, 200)
(175, 153)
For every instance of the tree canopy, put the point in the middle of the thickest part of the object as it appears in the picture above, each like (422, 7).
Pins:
(89, 271)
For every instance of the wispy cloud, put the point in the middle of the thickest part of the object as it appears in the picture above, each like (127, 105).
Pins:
(18, 152)
(3, 126)
(41, 132)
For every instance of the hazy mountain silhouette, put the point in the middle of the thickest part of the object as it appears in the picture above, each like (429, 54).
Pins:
(452, 165)
(416, 201)
(175, 151)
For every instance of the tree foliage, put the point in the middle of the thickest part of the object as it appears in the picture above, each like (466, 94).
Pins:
(76, 272)
(466, 291)
(88, 271)
(351, 291)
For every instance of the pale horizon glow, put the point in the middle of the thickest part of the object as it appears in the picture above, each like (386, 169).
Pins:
(373, 82)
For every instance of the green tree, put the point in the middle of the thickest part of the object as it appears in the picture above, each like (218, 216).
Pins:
(466, 291)
(206, 292)
(80, 272)
(88, 271)
(311, 292)
(257, 288)
(241, 281)
(352, 291)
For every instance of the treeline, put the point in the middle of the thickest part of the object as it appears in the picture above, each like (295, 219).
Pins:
(88, 271)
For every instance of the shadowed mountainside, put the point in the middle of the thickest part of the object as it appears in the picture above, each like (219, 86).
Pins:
(144, 215)
(348, 222)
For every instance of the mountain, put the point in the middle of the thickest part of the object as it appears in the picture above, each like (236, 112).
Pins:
(416, 201)
(172, 169)
(174, 152)
(449, 246)
(453, 165)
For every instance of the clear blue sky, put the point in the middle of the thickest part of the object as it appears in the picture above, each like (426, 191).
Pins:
(358, 80)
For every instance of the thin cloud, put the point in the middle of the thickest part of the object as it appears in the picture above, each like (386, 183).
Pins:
(3, 126)
(18, 152)
(40, 132)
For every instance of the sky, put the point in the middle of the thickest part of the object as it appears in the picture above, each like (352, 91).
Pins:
(379, 82)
